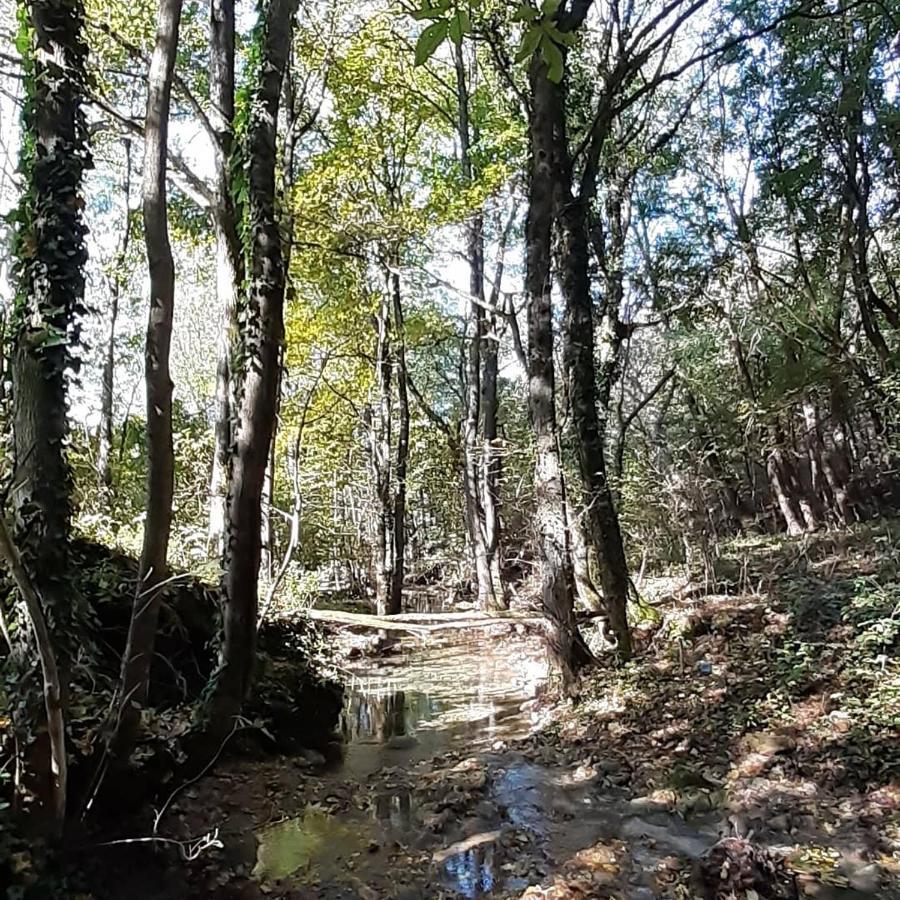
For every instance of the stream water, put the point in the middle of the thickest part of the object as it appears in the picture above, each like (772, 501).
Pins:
(473, 695)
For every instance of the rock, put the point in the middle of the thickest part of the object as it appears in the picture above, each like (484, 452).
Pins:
(485, 810)
(401, 742)
(311, 758)
(770, 743)
(864, 878)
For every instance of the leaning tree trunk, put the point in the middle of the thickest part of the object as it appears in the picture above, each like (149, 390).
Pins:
(229, 263)
(138, 655)
(398, 551)
(261, 340)
(565, 643)
(51, 256)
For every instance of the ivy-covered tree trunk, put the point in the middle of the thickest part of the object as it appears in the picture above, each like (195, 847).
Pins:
(261, 353)
(50, 258)
(564, 641)
(229, 261)
(138, 655)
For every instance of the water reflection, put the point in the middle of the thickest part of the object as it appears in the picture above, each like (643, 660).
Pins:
(314, 842)
(459, 694)
(394, 810)
(473, 873)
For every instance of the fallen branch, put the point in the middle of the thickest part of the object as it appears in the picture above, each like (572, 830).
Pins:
(56, 728)
(437, 621)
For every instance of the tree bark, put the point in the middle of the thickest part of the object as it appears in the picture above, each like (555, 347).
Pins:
(135, 680)
(578, 357)
(261, 342)
(229, 262)
(564, 640)
(584, 583)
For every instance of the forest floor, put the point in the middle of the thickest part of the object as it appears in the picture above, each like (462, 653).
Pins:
(767, 704)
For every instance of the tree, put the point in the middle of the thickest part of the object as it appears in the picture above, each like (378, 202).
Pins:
(50, 255)
(152, 572)
(229, 252)
(115, 280)
(260, 341)
(565, 642)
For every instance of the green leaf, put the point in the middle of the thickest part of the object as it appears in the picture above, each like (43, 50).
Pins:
(552, 56)
(460, 24)
(430, 39)
(550, 7)
(565, 38)
(525, 13)
(530, 41)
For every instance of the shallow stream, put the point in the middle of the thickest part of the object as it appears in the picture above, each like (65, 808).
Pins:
(472, 695)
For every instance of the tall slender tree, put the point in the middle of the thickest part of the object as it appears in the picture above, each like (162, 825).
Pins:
(152, 570)
(229, 257)
(115, 280)
(260, 341)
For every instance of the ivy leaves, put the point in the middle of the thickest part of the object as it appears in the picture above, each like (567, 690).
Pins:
(541, 35)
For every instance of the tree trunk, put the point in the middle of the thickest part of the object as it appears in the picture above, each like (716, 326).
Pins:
(44, 326)
(380, 457)
(261, 341)
(229, 262)
(780, 481)
(475, 524)
(399, 516)
(578, 356)
(138, 654)
(492, 463)
(581, 561)
(565, 643)
(475, 487)
(105, 431)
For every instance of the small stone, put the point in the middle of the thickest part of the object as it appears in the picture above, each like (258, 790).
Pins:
(866, 879)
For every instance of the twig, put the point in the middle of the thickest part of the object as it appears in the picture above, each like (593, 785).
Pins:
(189, 849)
